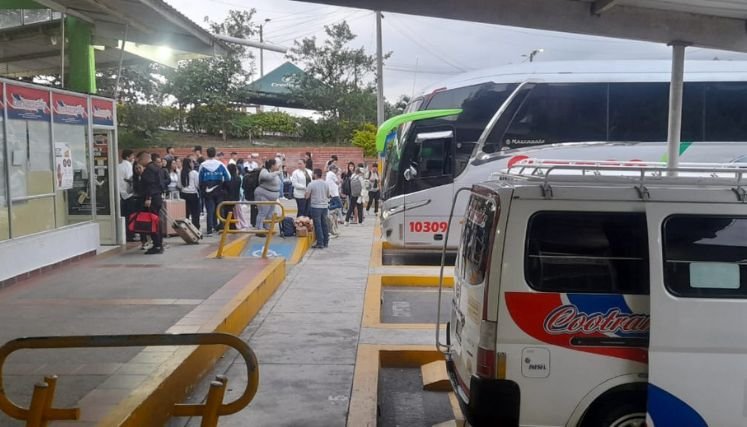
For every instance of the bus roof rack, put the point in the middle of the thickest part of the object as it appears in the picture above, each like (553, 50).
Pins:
(548, 171)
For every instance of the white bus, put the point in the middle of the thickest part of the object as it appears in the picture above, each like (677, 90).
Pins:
(594, 298)
(610, 110)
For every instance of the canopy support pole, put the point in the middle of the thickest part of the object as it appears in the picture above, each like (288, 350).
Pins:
(675, 104)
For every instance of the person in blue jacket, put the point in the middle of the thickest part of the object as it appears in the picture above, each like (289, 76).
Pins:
(213, 181)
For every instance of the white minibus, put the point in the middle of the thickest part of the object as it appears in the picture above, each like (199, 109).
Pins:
(588, 297)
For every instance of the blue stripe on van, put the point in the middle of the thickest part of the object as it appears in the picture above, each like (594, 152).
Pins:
(667, 410)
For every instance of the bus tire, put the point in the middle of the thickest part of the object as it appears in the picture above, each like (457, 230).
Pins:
(617, 409)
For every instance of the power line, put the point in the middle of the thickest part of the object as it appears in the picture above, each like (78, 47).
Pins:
(413, 39)
(347, 18)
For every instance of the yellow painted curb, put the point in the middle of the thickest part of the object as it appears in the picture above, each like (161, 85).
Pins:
(302, 246)
(150, 404)
(233, 248)
(372, 299)
(370, 358)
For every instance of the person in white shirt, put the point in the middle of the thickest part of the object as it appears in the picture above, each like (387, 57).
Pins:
(335, 202)
(189, 190)
(252, 164)
(124, 186)
(299, 180)
(234, 157)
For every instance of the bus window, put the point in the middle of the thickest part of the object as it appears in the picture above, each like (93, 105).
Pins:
(705, 256)
(726, 112)
(639, 112)
(434, 157)
(560, 113)
(592, 252)
(474, 249)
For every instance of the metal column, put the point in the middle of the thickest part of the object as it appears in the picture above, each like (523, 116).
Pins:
(675, 104)
(379, 73)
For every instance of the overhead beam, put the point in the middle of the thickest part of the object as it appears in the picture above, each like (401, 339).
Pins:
(628, 22)
(601, 6)
(116, 13)
(251, 43)
(181, 23)
(67, 11)
(30, 56)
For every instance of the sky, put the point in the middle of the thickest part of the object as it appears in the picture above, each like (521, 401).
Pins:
(426, 50)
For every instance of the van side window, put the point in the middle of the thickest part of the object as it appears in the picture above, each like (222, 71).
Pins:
(475, 249)
(594, 252)
(705, 256)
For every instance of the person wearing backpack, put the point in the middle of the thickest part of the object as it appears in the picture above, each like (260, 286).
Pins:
(249, 184)
(300, 179)
(356, 198)
(213, 179)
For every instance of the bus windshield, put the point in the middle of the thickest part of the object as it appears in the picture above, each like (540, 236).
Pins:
(478, 103)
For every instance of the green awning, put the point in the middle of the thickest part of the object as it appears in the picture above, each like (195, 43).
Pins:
(276, 88)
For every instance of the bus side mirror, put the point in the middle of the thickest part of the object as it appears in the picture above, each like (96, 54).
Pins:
(410, 173)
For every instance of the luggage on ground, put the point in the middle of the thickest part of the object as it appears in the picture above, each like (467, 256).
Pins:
(287, 227)
(187, 231)
(172, 210)
(143, 222)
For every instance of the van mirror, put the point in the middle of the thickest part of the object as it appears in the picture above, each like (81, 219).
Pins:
(410, 173)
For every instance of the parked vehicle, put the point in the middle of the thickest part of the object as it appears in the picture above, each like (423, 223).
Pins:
(619, 107)
(601, 295)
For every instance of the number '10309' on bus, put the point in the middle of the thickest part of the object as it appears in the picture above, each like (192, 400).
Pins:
(611, 110)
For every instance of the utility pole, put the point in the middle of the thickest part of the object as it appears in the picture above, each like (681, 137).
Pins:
(379, 72)
(261, 50)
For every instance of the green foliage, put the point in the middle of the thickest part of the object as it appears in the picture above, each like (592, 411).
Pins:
(365, 138)
(145, 120)
(275, 123)
(338, 81)
(138, 83)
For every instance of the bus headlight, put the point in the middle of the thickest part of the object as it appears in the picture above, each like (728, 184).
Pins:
(384, 214)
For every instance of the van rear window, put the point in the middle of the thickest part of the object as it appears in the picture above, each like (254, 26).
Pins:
(705, 256)
(474, 249)
(594, 252)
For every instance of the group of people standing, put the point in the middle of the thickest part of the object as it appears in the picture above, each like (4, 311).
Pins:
(146, 179)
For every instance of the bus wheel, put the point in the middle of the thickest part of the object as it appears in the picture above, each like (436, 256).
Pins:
(626, 409)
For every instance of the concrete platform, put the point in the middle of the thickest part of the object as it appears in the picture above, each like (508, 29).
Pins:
(127, 292)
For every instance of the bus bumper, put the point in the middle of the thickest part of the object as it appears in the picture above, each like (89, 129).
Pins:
(492, 402)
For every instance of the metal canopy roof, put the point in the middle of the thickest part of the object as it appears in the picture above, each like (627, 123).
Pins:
(34, 48)
(719, 24)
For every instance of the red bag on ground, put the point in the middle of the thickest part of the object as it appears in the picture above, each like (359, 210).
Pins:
(143, 222)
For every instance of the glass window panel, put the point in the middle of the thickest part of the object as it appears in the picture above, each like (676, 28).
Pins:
(474, 249)
(32, 216)
(4, 224)
(30, 151)
(705, 256)
(726, 112)
(587, 252)
(560, 113)
(74, 204)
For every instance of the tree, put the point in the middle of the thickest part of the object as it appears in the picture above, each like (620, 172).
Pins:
(365, 138)
(212, 86)
(398, 107)
(138, 84)
(338, 78)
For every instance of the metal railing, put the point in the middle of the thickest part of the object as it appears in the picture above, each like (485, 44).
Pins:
(40, 410)
(229, 220)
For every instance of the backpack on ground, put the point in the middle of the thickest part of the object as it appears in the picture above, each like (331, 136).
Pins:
(250, 183)
(355, 187)
(287, 227)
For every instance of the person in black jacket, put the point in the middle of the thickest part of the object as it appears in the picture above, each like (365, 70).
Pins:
(233, 194)
(151, 182)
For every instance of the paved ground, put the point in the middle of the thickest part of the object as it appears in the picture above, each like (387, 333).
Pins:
(412, 305)
(306, 339)
(116, 293)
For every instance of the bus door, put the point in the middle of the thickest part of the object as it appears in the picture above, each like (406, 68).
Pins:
(429, 175)
(698, 340)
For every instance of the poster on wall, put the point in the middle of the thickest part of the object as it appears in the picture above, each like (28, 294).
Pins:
(101, 172)
(69, 109)
(25, 103)
(63, 159)
(102, 111)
